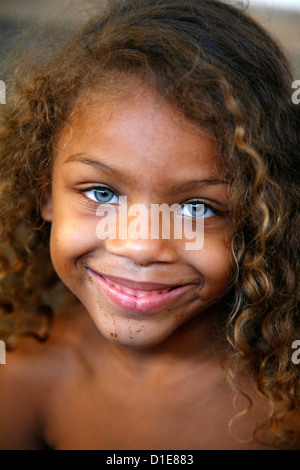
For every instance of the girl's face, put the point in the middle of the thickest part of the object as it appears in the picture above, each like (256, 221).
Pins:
(142, 149)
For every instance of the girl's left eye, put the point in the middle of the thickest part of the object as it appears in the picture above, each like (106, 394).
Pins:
(100, 195)
(198, 209)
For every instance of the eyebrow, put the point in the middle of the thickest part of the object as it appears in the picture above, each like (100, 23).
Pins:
(81, 158)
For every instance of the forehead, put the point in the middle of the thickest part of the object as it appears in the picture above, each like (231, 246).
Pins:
(142, 132)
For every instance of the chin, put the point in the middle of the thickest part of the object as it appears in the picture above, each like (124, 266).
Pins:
(130, 334)
(136, 343)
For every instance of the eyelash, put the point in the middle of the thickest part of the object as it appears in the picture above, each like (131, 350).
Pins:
(83, 192)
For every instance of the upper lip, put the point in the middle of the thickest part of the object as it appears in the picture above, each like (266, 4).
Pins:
(139, 285)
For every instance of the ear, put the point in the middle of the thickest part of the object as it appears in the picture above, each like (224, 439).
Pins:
(47, 206)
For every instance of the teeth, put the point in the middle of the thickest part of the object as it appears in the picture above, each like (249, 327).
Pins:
(135, 292)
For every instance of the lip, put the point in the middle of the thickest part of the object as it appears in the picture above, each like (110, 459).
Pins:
(140, 285)
(146, 304)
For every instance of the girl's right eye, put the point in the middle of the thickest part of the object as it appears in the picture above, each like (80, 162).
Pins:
(100, 194)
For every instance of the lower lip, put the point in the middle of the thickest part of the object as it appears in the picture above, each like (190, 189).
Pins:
(146, 304)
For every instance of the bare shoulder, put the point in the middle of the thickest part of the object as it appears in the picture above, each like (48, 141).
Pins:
(288, 427)
(31, 373)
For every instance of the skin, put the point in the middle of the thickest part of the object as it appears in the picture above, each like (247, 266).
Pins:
(108, 378)
(157, 141)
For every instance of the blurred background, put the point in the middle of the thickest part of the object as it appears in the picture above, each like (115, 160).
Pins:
(280, 17)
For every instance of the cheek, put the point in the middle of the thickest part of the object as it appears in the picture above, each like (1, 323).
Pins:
(71, 238)
(213, 262)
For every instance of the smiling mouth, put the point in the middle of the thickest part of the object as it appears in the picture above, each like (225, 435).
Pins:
(134, 288)
(137, 292)
(145, 300)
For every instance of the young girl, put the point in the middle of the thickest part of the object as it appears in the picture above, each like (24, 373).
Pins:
(124, 342)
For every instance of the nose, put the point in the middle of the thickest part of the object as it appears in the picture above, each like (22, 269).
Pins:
(143, 251)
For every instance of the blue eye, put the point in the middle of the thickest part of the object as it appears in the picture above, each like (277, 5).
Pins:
(100, 194)
(199, 209)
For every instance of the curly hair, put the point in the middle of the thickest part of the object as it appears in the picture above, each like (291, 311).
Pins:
(223, 72)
